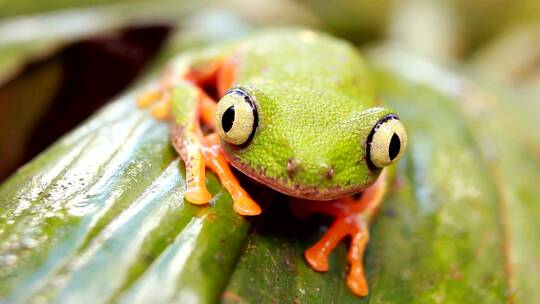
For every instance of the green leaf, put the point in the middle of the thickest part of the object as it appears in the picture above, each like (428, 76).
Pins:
(54, 205)
(500, 122)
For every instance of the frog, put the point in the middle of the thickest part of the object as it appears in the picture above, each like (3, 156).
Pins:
(291, 109)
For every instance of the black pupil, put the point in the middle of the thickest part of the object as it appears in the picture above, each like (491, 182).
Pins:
(228, 119)
(395, 145)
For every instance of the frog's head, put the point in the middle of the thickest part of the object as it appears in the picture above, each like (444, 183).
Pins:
(303, 143)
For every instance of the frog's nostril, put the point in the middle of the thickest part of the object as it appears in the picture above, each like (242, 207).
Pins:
(292, 167)
(327, 171)
(329, 174)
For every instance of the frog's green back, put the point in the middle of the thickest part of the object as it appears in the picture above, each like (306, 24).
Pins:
(312, 61)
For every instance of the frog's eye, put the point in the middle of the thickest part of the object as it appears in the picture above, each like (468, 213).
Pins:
(387, 142)
(236, 117)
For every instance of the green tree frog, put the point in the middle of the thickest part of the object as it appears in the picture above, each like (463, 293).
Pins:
(294, 110)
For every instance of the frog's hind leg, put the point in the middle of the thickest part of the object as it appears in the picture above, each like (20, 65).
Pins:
(352, 217)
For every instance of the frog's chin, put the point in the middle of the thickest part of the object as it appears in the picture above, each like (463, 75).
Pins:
(299, 191)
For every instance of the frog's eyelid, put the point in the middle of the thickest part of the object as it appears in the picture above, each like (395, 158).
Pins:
(370, 111)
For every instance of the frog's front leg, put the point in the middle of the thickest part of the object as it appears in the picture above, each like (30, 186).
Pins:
(180, 98)
(352, 218)
(213, 153)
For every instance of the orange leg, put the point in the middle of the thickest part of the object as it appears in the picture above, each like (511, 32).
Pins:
(187, 139)
(196, 150)
(188, 143)
(243, 203)
(317, 255)
(208, 111)
(356, 278)
(352, 219)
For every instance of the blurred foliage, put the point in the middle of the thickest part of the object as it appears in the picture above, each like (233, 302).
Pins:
(28, 7)
(513, 58)
(30, 37)
(18, 118)
(498, 121)
(100, 217)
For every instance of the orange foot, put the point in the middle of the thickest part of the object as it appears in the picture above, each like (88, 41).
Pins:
(198, 151)
(352, 218)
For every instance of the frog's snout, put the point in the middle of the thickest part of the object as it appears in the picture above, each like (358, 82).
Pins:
(293, 166)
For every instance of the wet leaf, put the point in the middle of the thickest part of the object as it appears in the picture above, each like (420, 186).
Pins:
(500, 123)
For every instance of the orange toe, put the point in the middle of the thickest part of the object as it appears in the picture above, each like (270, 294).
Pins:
(317, 259)
(246, 206)
(198, 195)
(147, 98)
(162, 109)
(357, 281)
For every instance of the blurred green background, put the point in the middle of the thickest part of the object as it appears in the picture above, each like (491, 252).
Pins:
(97, 214)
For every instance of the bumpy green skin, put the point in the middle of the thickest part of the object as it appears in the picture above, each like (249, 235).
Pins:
(313, 116)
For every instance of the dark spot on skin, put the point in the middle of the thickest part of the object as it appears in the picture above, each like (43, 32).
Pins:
(329, 173)
(228, 119)
(292, 167)
(395, 146)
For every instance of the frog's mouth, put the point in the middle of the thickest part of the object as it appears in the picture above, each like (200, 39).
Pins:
(299, 191)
